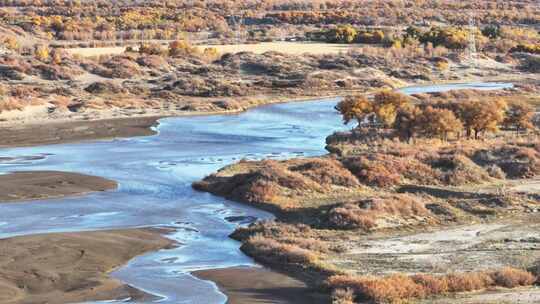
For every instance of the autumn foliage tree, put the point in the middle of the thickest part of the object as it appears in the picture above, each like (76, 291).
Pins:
(386, 105)
(481, 116)
(181, 48)
(519, 116)
(42, 52)
(433, 122)
(472, 117)
(354, 108)
(151, 49)
(342, 34)
(381, 111)
(406, 122)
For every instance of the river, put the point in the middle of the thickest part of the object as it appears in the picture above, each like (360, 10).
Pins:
(155, 175)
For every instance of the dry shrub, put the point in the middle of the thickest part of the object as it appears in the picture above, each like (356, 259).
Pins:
(350, 216)
(398, 287)
(343, 296)
(380, 290)
(276, 252)
(495, 172)
(514, 161)
(459, 170)
(153, 62)
(61, 102)
(267, 181)
(373, 173)
(432, 285)
(209, 87)
(11, 103)
(105, 87)
(383, 170)
(460, 282)
(511, 277)
(299, 235)
(22, 91)
(364, 214)
(121, 67)
(326, 171)
(271, 228)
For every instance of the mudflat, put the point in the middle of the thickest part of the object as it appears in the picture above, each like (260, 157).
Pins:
(250, 285)
(33, 185)
(71, 267)
(74, 131)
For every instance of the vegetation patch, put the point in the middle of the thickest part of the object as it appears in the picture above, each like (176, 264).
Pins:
(398, 287)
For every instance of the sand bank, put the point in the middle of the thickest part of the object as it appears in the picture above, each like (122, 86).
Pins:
(249, 285)
(71, 267)
(34, 185)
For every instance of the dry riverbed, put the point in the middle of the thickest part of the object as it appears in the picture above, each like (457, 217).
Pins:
(247, 285)
(71, 267)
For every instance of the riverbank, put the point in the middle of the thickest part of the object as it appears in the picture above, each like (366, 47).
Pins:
(27, 129)
(72, 267)
(38, 185)
(100, 125)
(247, 285)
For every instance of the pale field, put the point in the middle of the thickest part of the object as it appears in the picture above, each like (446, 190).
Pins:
(293, 48)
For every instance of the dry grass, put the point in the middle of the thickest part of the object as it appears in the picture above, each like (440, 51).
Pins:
(398, 287)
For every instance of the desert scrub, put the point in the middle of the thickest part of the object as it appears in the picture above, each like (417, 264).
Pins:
(514, 160)
(367, 214)
(385, 171)
(398, 287)
(458, 169)
(326, 171)
(279, 183)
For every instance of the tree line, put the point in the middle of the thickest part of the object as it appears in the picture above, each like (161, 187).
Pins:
(470, 118)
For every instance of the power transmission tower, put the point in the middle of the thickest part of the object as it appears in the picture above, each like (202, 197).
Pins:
(471, 50)
(237, 27)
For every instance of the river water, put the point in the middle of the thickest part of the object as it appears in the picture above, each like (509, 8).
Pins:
(155, 175)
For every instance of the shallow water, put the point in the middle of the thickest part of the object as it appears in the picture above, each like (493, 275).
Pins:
(484, 86)
(155, 175)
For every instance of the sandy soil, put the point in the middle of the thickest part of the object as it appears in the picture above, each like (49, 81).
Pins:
(71, 267)
(510, 242)
(529, 295)
(48, 184)
(73, 131)
(293, 48)
(249, 285)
